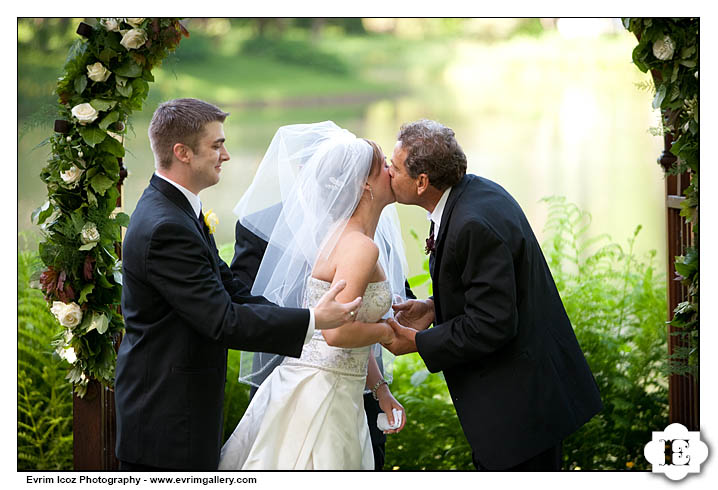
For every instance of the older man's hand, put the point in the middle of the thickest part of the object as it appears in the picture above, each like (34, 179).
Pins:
(415, 313)
(404, 342)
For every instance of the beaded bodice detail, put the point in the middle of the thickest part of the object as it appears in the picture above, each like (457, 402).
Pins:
(376, 301)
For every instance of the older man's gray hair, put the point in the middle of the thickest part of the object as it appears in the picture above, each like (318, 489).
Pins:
(431, 149)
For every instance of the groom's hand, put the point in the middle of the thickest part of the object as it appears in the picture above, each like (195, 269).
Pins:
(415, 313)
(404, 342)
(329, 313)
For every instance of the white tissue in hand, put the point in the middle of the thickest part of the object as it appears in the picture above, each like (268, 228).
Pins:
(382, 422)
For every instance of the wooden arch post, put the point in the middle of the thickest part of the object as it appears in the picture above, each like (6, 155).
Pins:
(106, 78)
(683, 390)
(94, 426)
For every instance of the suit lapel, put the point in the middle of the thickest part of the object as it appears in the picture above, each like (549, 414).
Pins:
(177, 198)
(446, 215)
(435, 264)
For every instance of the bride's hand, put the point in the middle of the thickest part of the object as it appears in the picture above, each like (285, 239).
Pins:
(387, 403)
(389, 335)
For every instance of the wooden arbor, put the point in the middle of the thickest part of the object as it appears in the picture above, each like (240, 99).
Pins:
(94, 425)
(106, 78)
(669, 49)
(94, 416)
(683, 389)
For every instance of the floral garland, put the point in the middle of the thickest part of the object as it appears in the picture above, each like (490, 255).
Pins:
(669, 48)
(106, 77)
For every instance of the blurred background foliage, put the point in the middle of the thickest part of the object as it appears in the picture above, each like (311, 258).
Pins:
(303, 43)
(542, 106)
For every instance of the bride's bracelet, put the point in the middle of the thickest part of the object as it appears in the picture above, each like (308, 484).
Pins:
(377, 385)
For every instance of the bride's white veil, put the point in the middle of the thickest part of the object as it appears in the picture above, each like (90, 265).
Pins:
(315, 174)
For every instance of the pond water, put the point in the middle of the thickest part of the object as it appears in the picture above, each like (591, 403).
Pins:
(551, 117)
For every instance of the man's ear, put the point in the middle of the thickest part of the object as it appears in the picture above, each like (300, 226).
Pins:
(182, 152)
(422, 183)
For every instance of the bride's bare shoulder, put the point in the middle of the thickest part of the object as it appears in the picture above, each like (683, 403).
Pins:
(357, 246)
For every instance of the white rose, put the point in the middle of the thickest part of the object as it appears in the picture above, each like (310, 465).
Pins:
(110, 24)
(97, 72)
(67, 354)
(89, 234)
(57, 308)
(84, 113)
(72, 175)
(663, 48)
(133, 39)
(134, 21)
(68, 315)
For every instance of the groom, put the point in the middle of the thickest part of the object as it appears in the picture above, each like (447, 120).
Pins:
(183, 309)
(501, 336)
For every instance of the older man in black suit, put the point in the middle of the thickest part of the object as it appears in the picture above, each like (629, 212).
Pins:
(183, 309)
(501, 336)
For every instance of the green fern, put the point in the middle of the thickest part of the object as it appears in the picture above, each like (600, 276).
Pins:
(617, 305)
(44, 400)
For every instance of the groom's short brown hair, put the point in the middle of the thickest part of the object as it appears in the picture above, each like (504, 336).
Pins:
(431, 149)
(180, 121)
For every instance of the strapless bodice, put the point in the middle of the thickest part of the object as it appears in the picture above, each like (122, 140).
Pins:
(376, 301)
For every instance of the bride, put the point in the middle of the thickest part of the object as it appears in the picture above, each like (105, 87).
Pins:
(331, 191)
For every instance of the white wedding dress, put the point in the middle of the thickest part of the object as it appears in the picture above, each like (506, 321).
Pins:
(309, 413)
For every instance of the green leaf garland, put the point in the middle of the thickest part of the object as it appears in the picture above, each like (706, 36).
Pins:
(674, 66)
(82, 279)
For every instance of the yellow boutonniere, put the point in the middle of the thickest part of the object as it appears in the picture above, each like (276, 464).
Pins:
(211, 220)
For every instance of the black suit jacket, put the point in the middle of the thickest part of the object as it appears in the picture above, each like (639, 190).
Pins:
(182, 311)
(516, 374)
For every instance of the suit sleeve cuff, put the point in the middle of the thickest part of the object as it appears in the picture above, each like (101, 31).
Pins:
(310, 330)
(423, 347)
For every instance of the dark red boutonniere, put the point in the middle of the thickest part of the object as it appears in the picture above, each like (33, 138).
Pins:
(430, 245)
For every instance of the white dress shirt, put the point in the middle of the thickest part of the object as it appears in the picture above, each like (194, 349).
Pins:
(435, 215)
(196, 204)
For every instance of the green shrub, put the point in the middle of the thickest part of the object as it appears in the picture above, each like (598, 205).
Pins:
(432, 438)
(44, 399)
(617, 305)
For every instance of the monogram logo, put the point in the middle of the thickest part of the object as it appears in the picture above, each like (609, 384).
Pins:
(676, 452)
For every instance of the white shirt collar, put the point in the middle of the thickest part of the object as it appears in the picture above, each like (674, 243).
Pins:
(193, 198)
(435, 216)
